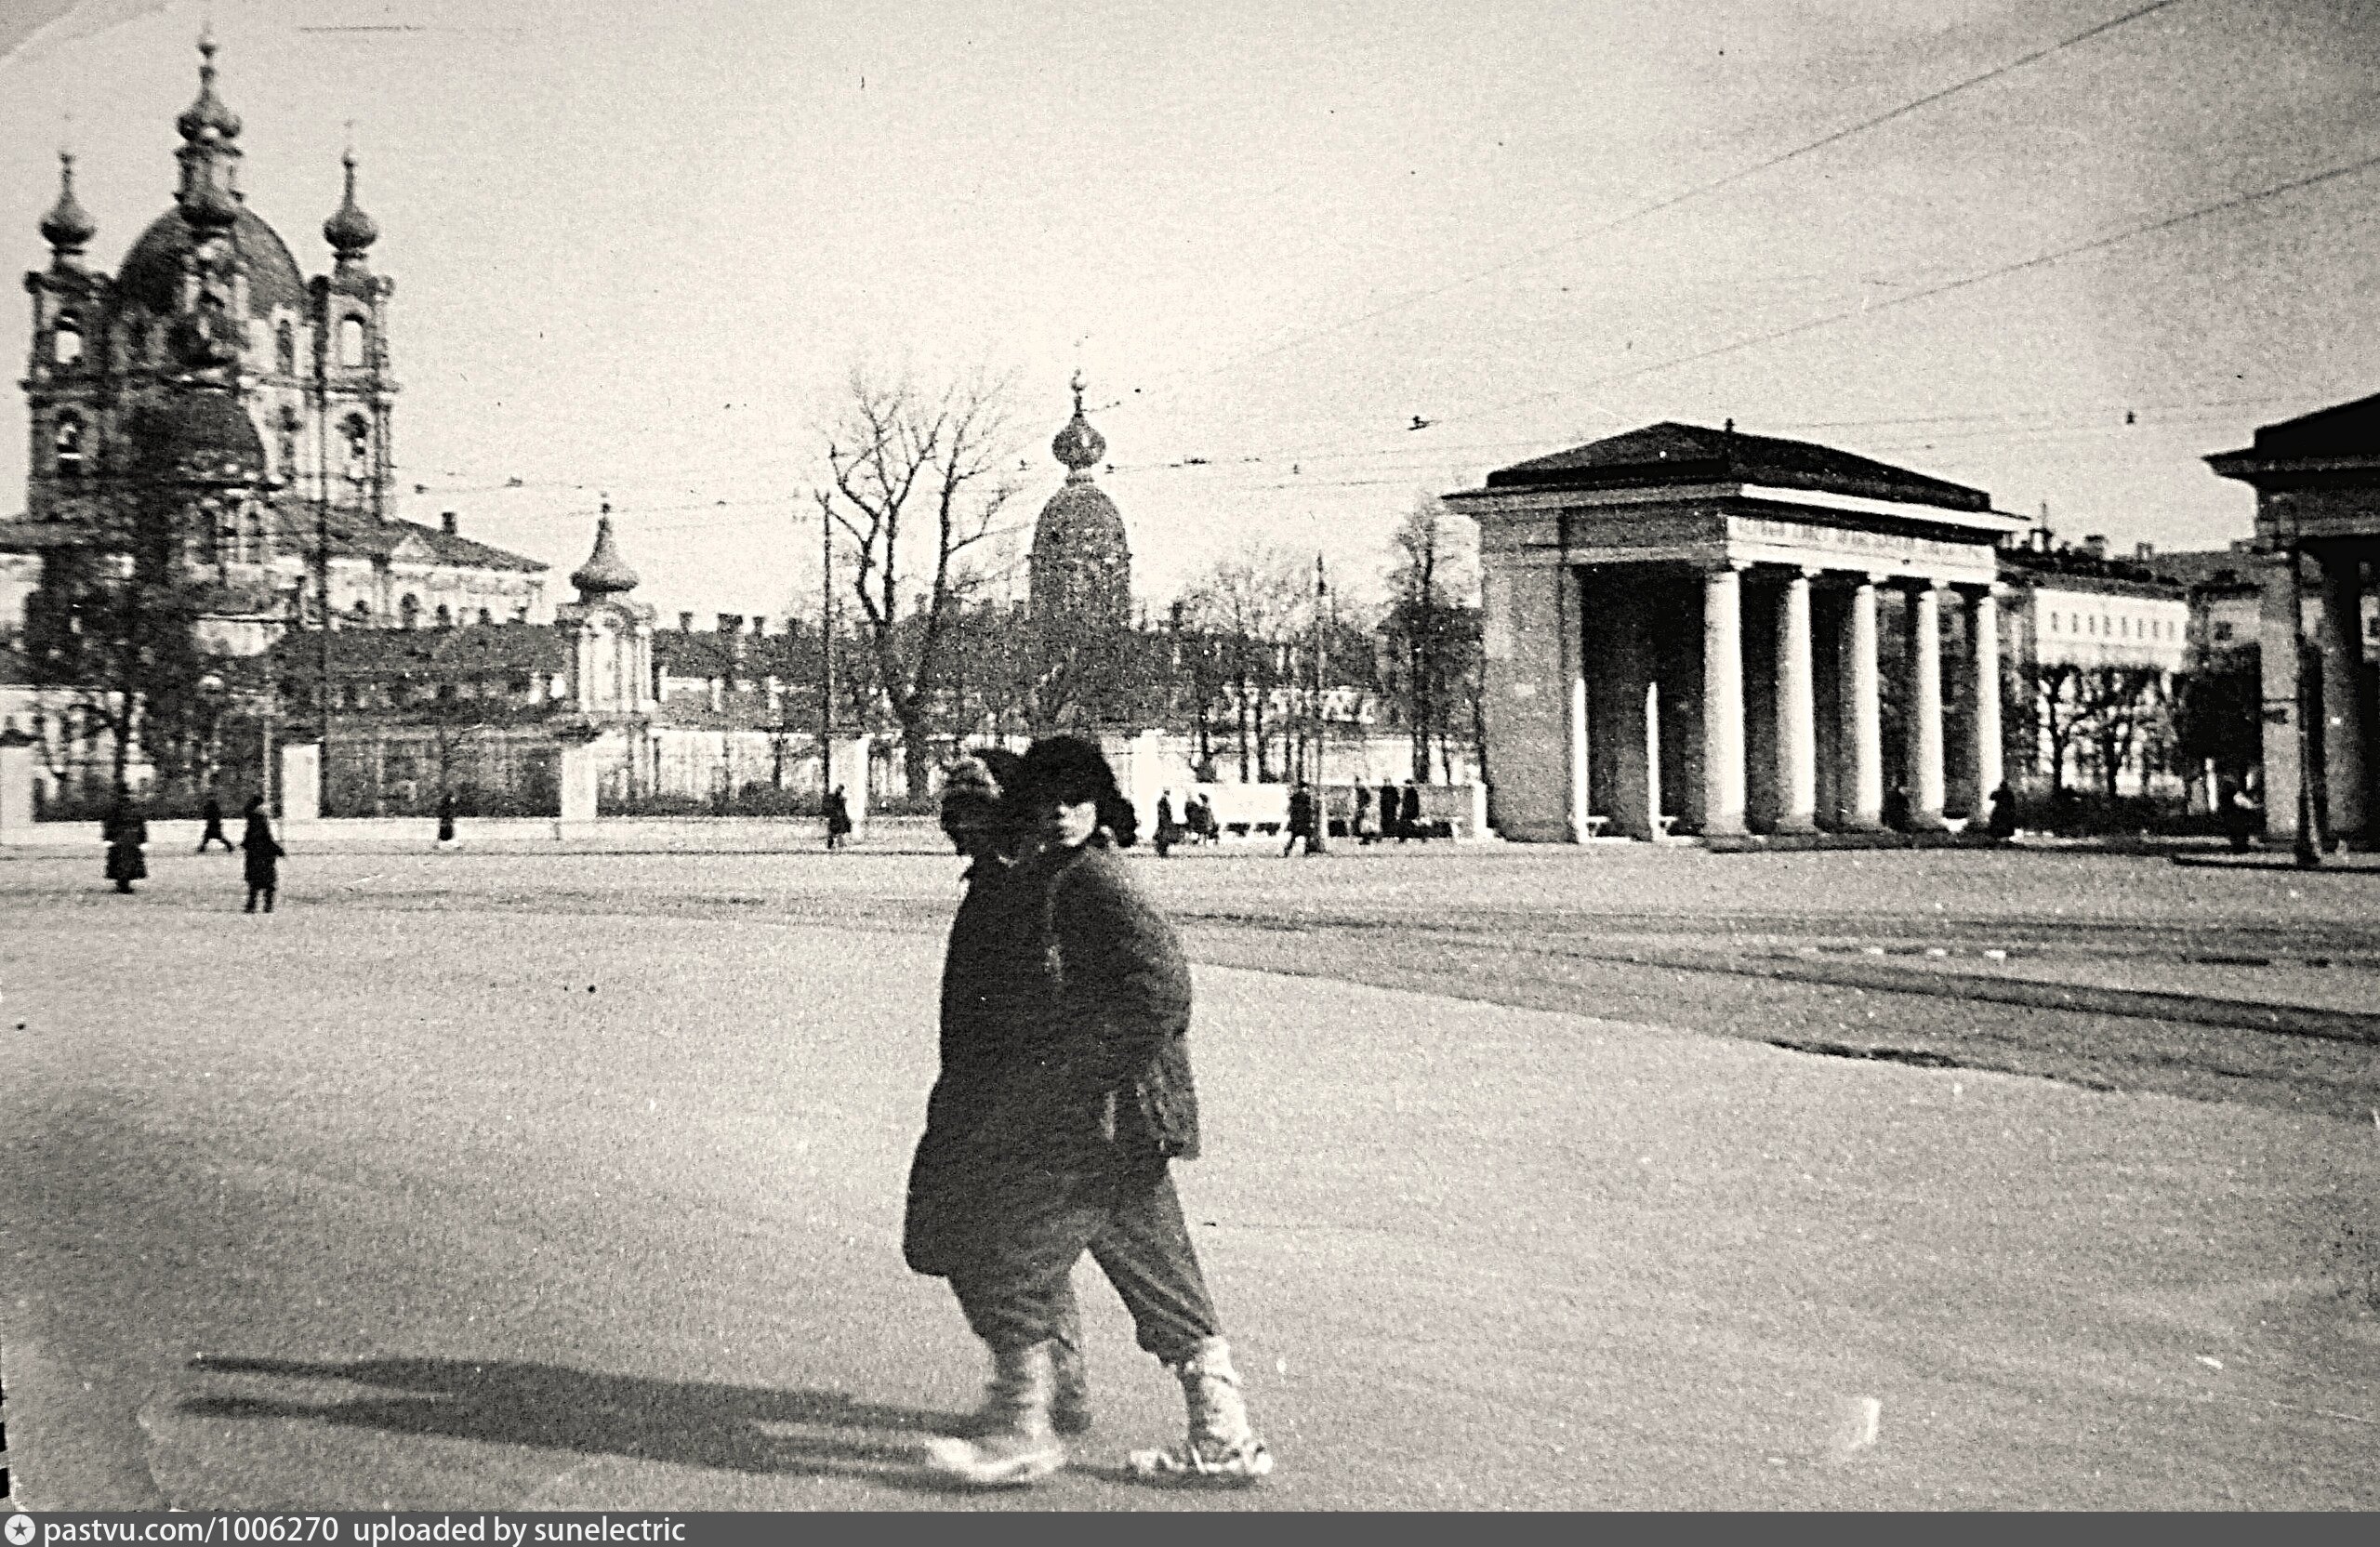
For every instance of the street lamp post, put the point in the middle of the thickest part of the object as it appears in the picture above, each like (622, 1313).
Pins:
(825, 653)
(1321, 844)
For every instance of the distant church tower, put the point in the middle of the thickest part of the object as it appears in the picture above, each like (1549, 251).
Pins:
(208, 374)
(1081, 582)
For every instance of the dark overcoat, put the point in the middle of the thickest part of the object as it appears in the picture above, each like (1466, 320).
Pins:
(990, 976)
(264, 851)
(1086, 1062)
(124, 836)
(1104, 1070)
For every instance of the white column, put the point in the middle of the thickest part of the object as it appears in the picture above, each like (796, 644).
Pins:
(2342, 704)
(1570, 619)
(1985, 619)
(1862, 710)
(1797, 792)
(1925, 705)
(16, 786)
(1723, 702)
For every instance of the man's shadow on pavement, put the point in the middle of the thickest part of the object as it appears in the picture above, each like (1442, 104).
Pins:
(555, 1407)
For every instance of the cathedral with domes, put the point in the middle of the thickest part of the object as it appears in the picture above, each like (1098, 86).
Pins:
(1080, 588)
(211, 404)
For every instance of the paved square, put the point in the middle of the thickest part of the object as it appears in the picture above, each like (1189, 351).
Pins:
(575, 1180)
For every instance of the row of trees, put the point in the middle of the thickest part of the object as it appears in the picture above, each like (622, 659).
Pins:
(2104, 722)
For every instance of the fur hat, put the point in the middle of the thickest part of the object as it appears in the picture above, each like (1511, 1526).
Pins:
(1070, 770)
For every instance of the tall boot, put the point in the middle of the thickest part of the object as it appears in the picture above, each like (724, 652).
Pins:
(1070, 1398)
(1221, 1448)
(1021, 1447)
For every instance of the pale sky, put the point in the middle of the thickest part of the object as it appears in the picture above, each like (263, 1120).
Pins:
(639, 244)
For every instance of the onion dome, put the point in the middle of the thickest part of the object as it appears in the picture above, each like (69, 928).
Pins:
(208, 118)
(605, 572)
(349, 231)
(1079, 446)
(68, 226)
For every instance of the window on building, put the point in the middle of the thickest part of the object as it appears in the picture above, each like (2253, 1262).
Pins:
(350, 342)
(2222, 631)
(69, 445)
(284, 348)
(358, 432)
(66, 340)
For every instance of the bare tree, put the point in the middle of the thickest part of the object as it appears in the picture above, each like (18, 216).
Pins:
(1427, 627)
(914, 482)
(2123, 714)
(2049, 696)
(1254, 606)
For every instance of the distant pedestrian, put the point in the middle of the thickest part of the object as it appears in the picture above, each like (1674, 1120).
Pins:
(1203, 821)
(2239, 817)
(1301, 822)
(264, 854)
(1390, 805)
(2003, 823)
(1366, 823)
(838, 818)
(1895, 811)
(1408, 814)
(126, 831)
(213, 813)
(1168, 834)
(447, 819)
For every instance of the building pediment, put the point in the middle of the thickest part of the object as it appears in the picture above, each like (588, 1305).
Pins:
(410, 549)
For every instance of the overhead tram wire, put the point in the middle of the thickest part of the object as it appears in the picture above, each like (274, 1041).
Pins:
(1698, 191)
(2039, 260)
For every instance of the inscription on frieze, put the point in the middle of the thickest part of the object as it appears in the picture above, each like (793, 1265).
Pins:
(1840, 543)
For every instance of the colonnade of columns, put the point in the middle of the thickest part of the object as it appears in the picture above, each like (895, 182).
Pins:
(1855, 751)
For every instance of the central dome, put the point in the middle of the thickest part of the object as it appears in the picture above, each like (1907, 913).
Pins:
(151, 272)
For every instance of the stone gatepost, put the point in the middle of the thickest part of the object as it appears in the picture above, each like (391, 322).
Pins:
(581, 776)
(847, 765)
(16, 786)
(301, 783)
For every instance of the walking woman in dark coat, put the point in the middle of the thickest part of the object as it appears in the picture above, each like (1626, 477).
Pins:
(264, 851)
(125, 832)
(838, 818)
(1073, 1151)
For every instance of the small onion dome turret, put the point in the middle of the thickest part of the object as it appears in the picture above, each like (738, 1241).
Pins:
(68, 227)
(605, 572)
(208, 118)
(349, 231)
(1078, 445)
